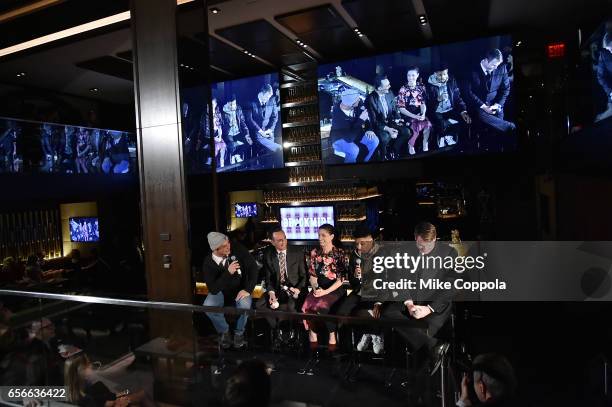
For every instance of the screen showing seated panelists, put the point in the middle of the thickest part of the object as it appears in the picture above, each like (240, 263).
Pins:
(84, 230)
(247, 125)
(246, 209)
(600, 55)
(28, 146)
(302, 223)
(447, 99)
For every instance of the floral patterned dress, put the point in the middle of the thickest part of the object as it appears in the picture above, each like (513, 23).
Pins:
(412, 99)
(327, 268)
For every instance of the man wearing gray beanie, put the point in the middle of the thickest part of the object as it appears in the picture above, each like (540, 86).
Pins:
(230, 273)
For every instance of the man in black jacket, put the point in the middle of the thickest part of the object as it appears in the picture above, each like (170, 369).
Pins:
(285, 275)
(447, 106)
(236, 131)
(385, 120)
(488, 87)
(348, 135)
(230, 274)
(433, 307)
(262, 118)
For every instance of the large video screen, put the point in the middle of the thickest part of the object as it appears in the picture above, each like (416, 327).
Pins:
(84, 230)
(27, 146)
(246, 125)
(446, 99)
(302, 223)
(599, 46)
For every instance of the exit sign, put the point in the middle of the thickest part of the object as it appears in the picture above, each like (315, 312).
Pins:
(555, 50)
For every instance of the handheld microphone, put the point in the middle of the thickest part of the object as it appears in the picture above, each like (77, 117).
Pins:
(358, 264)
(233, 259)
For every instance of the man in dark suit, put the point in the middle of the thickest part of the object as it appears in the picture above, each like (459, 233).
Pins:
(447, 106)
(262, 118)
(488, 88)
(432, 306)
(230, 274)
(385, 118)
(285, 275)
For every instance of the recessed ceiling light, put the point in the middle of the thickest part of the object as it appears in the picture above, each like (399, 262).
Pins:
(215, 10)
(423, 19)
(94, 90)
(21, 74)
(360, 35)
(356, 29)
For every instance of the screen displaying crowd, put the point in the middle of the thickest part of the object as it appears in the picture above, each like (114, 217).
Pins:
(453, 98)
(246, 125)
(246, 210)
(84, 230)
(44, 147)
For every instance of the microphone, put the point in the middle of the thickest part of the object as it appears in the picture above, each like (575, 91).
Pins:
(233, 259)
(358, 264)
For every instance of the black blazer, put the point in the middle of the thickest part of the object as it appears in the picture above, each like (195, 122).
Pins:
(218, 279)
(296, 268)
(344, 127)
(376, 113)
(262, 118)
(479, 92)
(454, 95)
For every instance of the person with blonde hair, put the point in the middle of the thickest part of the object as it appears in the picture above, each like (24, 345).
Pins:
(81, 389)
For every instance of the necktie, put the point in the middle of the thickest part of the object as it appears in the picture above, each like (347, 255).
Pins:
(385, 106)
(224, 262)
(282, 263)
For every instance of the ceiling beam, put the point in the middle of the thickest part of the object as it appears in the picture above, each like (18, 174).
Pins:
(28, 9)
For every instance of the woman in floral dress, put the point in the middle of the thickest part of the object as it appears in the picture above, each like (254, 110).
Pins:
(327, 271)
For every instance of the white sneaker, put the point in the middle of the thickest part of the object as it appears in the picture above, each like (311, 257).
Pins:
(378, 344)
(364, 342)
(411, 150)
(449, 140)
(425, 146)
(441, 142)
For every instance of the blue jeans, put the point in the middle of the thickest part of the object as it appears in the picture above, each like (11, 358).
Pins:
(218, 319)
(351, 150)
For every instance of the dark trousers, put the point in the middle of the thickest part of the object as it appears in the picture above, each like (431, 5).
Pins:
(396, 146)
(442, 127)
(244, 149)
(415, 337)
(354, 305)
(495, 121)
(286, 304)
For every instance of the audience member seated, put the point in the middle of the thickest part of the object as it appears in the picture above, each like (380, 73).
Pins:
(33, 270)
(493, 380)
(11, 271)
(44, 353)
(249, 385)
(81, 390)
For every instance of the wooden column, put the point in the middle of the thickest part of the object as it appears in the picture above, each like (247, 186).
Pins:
(160, 151)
